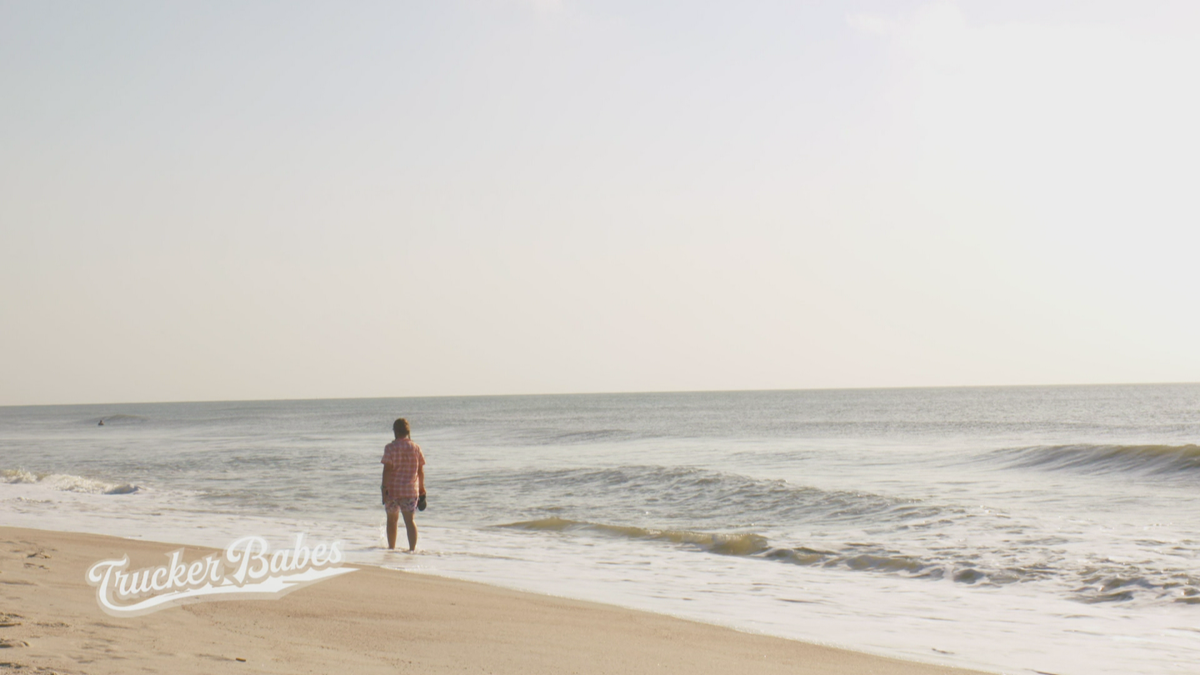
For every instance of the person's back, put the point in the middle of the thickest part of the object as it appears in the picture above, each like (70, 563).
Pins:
(403, 482)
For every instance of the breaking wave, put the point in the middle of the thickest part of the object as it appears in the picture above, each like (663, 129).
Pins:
(1157, 460)
(725, 544)
(1093, 583)
(67, 483)
(679, 497)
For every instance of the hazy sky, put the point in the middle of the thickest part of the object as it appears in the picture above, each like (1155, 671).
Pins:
(231, 200)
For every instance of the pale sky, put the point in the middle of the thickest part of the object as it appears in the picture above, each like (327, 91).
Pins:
(265, 200)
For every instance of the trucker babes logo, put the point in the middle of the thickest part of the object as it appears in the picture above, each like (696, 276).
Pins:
(247, 570)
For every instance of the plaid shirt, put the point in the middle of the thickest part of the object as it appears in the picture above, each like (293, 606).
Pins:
(405, 457)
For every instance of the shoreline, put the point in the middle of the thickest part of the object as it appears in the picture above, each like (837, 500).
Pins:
(373, 620)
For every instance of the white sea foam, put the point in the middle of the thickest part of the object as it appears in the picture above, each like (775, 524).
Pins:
(66, 482)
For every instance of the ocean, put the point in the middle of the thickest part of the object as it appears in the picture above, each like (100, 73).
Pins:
(1010, 529)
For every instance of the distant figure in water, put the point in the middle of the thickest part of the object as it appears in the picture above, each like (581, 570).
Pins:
(101, 423)
(403, 483)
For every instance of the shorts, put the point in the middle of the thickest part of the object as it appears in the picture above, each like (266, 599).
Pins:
(398, 505)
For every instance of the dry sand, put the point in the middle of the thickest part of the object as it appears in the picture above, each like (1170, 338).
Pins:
(369, 621)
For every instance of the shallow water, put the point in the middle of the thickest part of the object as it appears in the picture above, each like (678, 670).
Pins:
(1050, 529)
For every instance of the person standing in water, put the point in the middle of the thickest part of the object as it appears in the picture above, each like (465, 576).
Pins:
(403, 482)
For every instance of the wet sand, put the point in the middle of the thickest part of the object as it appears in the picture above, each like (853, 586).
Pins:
(370, 621)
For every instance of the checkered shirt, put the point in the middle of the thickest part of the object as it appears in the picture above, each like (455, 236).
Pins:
(406, 457)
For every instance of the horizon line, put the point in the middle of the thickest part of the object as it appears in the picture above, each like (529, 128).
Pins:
(608, 393)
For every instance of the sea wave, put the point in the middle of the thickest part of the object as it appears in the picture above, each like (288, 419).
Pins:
(67, 482)
(677, 497)
(726, 544)
(1158, 460)
(857, 557)
(1089, 583)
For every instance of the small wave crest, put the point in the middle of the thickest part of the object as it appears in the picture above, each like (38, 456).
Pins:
(1158, 460)
(66, 482)
(854, 557)
(725, 544)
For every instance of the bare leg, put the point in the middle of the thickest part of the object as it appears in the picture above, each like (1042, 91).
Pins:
(392, 522)
(411, 526)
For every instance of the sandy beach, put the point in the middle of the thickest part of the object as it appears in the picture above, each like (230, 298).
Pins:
(371, 621)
